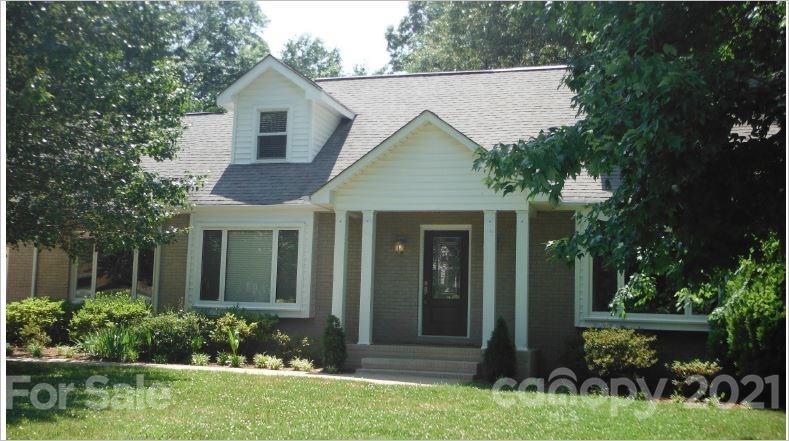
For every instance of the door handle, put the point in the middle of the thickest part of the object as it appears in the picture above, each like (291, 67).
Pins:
(425, 292)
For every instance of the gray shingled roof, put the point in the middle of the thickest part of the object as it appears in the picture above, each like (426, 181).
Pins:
(488, 107)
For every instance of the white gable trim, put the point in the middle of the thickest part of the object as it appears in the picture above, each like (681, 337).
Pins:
(311, 90)
(323, 194)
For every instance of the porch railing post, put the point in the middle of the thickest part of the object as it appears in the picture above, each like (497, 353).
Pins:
(488, 276)
(522, 280)
(340, 259)
(367, 274)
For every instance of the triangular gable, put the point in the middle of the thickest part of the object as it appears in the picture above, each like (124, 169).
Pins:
(311, 89)
(426, 117)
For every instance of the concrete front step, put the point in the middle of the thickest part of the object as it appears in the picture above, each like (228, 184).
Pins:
(431, 377)
(460, 367)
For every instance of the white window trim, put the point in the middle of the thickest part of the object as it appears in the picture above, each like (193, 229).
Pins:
(586, 317)
(287, 132)
(448, 227)
(298, 309)
(135, 267)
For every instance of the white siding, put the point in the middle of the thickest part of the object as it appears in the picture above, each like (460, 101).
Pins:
(271, 90)
(324, 121)
(428, 170)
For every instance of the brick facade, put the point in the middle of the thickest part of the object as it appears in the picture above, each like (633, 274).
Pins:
(396, 283)
(19, 275)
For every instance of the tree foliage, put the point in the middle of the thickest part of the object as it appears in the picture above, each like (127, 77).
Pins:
(216, 43)
(748, 331)
(659, 88)
(311, 57)
(91, 91)
(441, 36)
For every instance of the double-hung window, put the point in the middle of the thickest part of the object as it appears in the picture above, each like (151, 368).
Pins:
(250, 266)
(273, 135)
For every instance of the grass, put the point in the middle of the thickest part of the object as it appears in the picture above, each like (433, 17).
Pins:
(241, 406)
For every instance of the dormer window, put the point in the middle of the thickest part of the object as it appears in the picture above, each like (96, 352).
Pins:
(273, 135)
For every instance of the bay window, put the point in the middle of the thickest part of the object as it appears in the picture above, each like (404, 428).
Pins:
(249, 266)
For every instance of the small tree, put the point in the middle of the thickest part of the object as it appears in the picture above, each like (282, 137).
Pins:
(499, 358)
(334, 353)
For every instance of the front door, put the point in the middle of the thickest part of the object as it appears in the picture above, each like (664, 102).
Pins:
(445, 283)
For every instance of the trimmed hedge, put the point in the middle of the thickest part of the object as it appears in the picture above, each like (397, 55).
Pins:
(36, 319)
(616, 352)
(173, 336)
(107, 310)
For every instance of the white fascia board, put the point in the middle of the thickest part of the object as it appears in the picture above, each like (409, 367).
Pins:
(323, 194)
(311, 90)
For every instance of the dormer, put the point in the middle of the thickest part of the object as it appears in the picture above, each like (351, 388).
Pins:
(279, 115)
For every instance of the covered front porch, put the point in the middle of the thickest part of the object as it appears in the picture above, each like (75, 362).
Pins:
(416, 284)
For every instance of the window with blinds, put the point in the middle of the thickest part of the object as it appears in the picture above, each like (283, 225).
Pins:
(273, 135)
(248, 273)
(259, 266)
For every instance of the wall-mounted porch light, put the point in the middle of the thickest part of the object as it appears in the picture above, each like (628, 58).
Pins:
(399, 245)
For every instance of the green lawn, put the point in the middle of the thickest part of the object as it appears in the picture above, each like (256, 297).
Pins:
(234, 405)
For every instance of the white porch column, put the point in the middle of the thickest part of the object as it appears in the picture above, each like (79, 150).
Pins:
(522, 280)
(340, 259)
(488, 276)
(367, 273)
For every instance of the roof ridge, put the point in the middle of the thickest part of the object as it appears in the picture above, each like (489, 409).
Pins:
(451, 72)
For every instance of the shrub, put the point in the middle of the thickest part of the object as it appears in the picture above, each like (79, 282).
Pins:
(118, 343)
(616, 352)
(237, 360)
(66, 351)
(200, 359)
(173, 336)
(106, 310)
(31, 333)
(302, 364)
(499, 357)
(288, 348)
(747, 332)
(682, 370)
(334, 353)
(230, 322)
(267, 362)
(32, 318)
(9, 350)
(222, 358)
(35, 349)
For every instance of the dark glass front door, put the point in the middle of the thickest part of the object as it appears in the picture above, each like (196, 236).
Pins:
(445, 283)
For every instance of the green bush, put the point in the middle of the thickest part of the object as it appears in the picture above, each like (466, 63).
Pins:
(264, 361)
(288, 348)
(302, 364)
(200, 359)
(107, 310)
(117, 343)
(236, 360)
(30, 319)
(499, 358)
(222, 358)
(747, 332)
(229, 322)
(334, 352)
(9, 350)
(66, 351)
(682, 370)
(35, 349)
(173, 336)
(616, 352)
